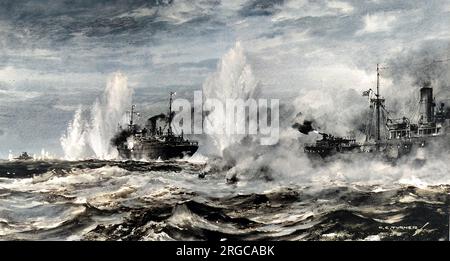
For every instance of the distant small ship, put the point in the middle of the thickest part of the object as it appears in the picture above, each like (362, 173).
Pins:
(397, 137)
(23, 156)
(152, 142)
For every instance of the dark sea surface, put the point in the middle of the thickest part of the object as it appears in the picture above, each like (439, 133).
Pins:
(179, 200)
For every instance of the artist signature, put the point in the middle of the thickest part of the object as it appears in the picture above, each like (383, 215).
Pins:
(398, 227)
(417, 229)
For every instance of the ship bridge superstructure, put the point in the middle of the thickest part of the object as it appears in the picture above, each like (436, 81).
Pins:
(430, 122)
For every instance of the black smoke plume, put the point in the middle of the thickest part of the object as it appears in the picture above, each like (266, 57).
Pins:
(121, 137)
(155, 118)
(304, 128)
(425, 65)
(152, 121)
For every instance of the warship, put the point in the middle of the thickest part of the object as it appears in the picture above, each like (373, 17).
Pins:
(23, 156)
(389, 137)
(152, 141)
(330, 145)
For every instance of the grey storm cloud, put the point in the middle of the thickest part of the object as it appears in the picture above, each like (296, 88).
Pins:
(425, 63)
(57, 55)
(260, 7)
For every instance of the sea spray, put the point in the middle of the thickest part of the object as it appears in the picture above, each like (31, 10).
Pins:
(10, 155)
(73, 142)
(236, 155)
(233, 80)
(87, 138)
(108, 111)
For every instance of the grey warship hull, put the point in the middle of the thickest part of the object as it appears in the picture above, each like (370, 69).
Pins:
(158, 151)
(150, 142)
(389, 137)
(389, 149)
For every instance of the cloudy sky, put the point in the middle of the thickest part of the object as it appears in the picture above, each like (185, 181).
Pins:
(56, 55)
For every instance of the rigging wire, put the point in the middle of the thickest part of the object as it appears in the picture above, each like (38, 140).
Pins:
(426, 64)
(416, 110)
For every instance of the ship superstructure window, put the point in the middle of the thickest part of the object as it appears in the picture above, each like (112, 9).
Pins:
(399, 134)
(429, 131)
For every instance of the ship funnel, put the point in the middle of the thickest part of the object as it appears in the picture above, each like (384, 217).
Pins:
(426, 103)
(151, 122)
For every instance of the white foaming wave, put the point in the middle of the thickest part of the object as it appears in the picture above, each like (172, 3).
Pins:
(395, 218)
(46, 222)
(111, 199)
(41, 216)
(386, 175)
(62, 183)
(183, 218)
(372, 238)
(197, 158)
(152, 236)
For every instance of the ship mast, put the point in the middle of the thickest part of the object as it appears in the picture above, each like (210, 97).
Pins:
(169, 130)
(378, 104)
(132, 113)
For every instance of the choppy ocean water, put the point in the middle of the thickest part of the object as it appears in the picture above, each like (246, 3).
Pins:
(177, 200)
